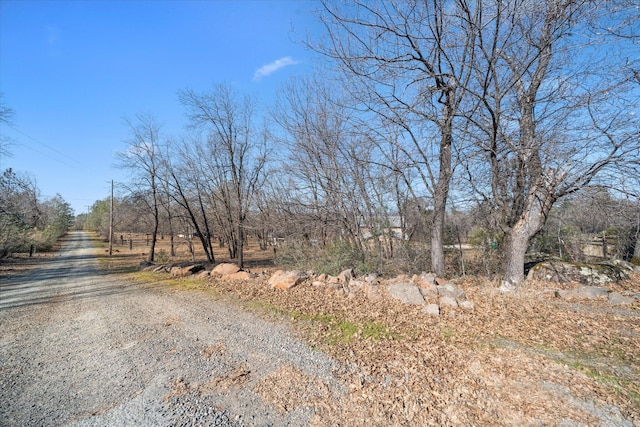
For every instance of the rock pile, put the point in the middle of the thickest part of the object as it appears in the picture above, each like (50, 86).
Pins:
(432, 292)
(587, 274)
(426, 290)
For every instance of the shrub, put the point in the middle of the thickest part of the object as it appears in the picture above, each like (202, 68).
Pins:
(161, 256)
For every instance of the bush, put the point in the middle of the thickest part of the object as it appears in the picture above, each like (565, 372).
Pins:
(161, 256)
(340, 256)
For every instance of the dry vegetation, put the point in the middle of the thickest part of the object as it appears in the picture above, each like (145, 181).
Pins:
(526, 358)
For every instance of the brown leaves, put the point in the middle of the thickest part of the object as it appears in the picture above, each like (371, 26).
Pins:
(289, 387)
(516, 359)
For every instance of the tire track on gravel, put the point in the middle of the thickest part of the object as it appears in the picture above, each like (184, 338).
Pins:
(80, 348)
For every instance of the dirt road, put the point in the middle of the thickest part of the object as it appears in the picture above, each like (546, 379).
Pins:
(78, 347)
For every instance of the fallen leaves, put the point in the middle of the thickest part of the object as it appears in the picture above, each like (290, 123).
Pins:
(516, 359)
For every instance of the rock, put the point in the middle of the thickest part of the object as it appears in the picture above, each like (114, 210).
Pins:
(202, 274)
(371, 278)
(332, 279)
(284, 280)
(440, 281)
(401, 278)
(428, 277)
(448, 302)
(587, 274)
(467, 305)
(450, 290)
(240, 275)
(425, 280)
(322, 277)
(345, 276)
(318, 283)
(431, 309)
(430, 292)
(618, 299)
(357, 285)
(160, 269)
(585, 292)
(225, 268)
(407, 293)
(186, 271)
(625, 266)
(372, 291)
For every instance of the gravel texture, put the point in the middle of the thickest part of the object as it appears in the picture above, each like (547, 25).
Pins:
(78, 348)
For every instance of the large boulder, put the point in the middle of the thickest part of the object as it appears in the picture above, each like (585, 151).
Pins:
(587, 274)
(448, 289)
(407, 293)
(225, 268)
(186, 271)
(285, 280)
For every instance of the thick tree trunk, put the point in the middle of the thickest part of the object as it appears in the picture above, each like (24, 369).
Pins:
(536, 209)
(516, 248)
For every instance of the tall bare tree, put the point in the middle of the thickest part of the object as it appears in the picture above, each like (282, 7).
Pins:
(408, 62)
(555, 96)
(183, 181)
(319, 161)
(232, 155)
(142, 160)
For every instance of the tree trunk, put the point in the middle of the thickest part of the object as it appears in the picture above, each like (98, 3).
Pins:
(531, 221)
(156, 223)
(441, 191)
(516, 248)
(240, 247)
(437, 250)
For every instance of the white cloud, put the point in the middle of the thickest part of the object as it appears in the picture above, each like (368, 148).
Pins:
(271, 68)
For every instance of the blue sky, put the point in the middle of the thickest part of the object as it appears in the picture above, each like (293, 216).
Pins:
(71, 70)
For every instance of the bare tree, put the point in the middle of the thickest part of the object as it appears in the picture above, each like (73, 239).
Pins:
(321, 159)
(183, 181)
(555, 99)
(6, 118)
(232, 156)
(408, 62)
(142, 160)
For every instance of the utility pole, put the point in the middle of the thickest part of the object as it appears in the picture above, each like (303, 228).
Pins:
(111, 223)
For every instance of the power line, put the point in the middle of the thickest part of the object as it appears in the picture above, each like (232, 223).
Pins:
(66, 156)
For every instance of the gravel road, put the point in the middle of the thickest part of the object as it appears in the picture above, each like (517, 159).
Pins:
(78, 347)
